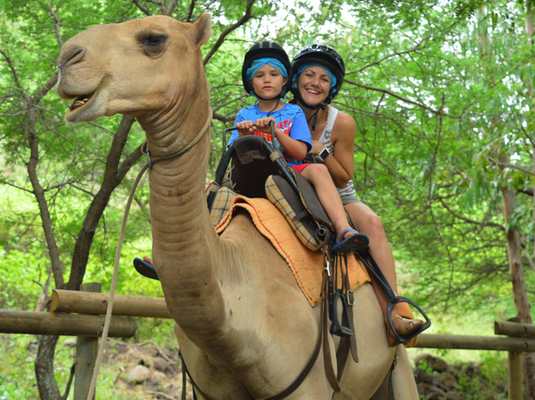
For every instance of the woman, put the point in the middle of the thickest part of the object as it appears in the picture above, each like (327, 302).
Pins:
(317, 75)
(265, 73)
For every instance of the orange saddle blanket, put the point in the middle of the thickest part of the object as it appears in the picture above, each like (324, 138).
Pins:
(306, 265)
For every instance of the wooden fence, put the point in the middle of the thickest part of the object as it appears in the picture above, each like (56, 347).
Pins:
(80, 313)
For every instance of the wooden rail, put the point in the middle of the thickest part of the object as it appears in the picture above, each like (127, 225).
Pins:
(90, 307)
(70, 301)
(515, 329)
(475, 342)
(45, 323)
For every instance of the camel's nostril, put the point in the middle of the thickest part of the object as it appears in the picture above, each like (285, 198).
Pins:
(71, 56)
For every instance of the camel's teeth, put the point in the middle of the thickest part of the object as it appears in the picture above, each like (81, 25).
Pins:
(79, 102)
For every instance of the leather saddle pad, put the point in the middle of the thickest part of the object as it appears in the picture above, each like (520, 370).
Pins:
(306, 265)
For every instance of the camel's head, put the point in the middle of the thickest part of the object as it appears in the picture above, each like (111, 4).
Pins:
(132, 67)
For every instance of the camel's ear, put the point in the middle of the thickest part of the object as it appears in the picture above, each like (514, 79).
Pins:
(202, 29)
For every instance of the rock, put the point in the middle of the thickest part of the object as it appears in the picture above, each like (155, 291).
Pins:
(448, 379)
(121, 347)
(454, 396)
(138, 374)
(157, 377)
(422, 376)
(427, 361)
(162, 365)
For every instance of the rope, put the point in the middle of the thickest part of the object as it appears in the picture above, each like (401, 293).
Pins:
(109, 307)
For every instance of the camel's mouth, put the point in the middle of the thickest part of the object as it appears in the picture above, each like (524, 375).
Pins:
(87, 106)
(80, 101)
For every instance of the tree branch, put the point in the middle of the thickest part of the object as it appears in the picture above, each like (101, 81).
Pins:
(170, 7)
(57, 25)
(112, 178)
(397, 96)
(244, 18)
(469, 220)
(190, 10)
(143, 9)
(388, 56)
(42, 92)
(11, 67)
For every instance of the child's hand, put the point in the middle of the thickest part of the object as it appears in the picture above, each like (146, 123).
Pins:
(245, 128)
(264, 124)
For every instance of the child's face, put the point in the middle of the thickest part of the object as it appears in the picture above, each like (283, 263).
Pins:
(314, 85)
(268, 82)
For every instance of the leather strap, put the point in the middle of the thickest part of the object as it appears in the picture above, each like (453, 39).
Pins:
(184, 150)
(327, 355)
(282, 395)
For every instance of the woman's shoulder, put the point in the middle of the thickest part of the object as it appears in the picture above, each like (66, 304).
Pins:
(344, 121)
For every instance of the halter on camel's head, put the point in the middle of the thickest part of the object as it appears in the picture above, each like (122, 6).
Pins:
(148, 65)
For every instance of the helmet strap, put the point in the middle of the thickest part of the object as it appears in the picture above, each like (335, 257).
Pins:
(312, 120)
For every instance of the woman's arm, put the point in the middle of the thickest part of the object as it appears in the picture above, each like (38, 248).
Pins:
(340, 162)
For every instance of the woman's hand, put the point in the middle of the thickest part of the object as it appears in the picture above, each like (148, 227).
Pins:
(316, 147)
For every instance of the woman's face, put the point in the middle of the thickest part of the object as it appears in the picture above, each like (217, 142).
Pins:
(314, 85)
(268, 82)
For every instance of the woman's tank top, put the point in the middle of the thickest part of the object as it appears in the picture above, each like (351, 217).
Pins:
(347, 193)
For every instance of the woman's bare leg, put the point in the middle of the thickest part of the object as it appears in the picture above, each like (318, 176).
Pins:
(371, 225)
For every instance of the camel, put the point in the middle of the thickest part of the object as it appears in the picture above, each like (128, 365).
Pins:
(244, 328)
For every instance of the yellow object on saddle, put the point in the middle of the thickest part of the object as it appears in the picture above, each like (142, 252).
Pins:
(306, 265)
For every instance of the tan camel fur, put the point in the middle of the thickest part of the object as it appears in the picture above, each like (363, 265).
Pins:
(244, 328)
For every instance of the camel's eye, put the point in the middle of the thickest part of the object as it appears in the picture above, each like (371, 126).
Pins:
(152, 43)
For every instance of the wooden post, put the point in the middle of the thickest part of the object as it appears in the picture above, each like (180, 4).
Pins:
(516, 375)
(86, 354)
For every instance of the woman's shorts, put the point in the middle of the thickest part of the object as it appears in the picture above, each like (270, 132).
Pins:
(299, 168)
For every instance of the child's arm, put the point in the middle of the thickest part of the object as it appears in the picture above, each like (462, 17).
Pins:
(294, 149)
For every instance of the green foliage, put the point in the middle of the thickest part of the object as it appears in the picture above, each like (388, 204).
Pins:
(441, 95)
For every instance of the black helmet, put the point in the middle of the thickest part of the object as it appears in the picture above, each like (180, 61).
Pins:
(260, 50)
(322, 55)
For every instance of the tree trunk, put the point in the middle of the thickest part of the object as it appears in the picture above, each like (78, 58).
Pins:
(530, 31)
(44, 368)
(514, 249)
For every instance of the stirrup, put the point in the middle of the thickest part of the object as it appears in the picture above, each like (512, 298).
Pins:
(337, 328)
(145, 268)
(390, 308)
(355, 243)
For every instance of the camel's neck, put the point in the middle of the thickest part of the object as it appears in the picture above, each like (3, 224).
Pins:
(184, 243)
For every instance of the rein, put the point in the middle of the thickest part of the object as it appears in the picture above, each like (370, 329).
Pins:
(181, 152)
(109, 307)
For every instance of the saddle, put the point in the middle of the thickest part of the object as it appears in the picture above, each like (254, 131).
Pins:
(253, 167)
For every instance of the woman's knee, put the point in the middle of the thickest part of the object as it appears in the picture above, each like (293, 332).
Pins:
(366, 219)
(316, 172)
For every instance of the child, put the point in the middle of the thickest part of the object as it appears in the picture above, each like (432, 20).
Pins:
(265, 75)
